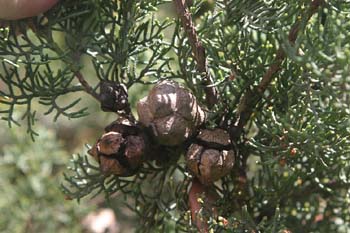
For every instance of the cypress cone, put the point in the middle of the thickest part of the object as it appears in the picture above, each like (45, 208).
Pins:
(211, 156)
(121, 149)
(171, 111)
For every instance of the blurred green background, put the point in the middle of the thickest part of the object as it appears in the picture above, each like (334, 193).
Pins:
(31, 172)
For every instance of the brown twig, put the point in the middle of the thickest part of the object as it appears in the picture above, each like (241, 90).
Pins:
(198, 51)
(88, 89)
(201, 200)
(251, 98)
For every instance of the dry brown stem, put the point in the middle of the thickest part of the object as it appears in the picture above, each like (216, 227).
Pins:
(198, 51)
(88, 89)
(250, 99)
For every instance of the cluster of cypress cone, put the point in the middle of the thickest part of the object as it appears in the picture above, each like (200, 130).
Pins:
(168, 116)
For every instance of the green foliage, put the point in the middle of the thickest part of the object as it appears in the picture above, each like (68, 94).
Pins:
(122, 41)
(156, 204)
(293, 167)
(30, 197)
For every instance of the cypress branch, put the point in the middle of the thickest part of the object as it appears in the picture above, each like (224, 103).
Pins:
(250, 99)
(198, 52)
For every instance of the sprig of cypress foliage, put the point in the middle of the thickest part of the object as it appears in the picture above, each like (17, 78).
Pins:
(281, 71)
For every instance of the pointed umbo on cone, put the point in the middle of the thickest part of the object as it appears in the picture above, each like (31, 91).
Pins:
(171, 111)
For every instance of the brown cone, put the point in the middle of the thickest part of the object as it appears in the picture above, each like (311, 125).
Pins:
(120, 151)
(211, 157)
(172, 113)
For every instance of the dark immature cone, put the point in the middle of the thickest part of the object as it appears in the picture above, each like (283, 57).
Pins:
(171, 111)
(121, 149)
(211, 156)
(114, 97)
